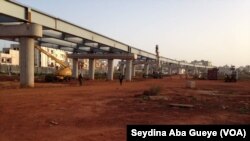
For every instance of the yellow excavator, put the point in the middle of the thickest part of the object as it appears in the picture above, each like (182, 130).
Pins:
(63, 73)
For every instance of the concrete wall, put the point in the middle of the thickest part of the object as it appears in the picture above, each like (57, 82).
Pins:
(16, 69)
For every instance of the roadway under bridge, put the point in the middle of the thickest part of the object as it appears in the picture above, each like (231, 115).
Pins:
(31, 27)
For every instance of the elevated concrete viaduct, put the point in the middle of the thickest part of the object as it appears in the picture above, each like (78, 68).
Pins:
(30, 26)
(109, 56)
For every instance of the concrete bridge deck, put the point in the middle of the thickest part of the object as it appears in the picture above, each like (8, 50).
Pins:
(35, 27)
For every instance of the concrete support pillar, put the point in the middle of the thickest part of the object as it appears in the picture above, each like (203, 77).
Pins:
(122, 68)
(75, 68)
(195, 71)
(179, 70)
(176, 70)
(198, 71)
(170, 69)
(110, 69)
(206, 70)
(26, 62)
(26, 34)
(186, 72)
(128, 74)
(146, 69)
(161, 66)
(133, 70)
(185, 69)
(92, 69)
(151, 69)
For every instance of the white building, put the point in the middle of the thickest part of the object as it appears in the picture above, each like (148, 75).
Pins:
(42, 60)
(9, 56)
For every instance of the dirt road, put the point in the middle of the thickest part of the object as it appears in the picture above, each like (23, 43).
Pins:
(100, 110)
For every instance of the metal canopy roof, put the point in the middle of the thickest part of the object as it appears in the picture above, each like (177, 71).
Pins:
(66, 36)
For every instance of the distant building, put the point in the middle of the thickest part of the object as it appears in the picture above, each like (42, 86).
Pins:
(101, 65)
(202, 62)
(42, 60)
(10, 56)
(224, 70)
(247, 68)
(183, 61)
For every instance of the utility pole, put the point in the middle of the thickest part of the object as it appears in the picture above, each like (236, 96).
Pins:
(157, 57)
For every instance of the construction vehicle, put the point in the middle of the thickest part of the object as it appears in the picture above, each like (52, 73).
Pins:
(62, 73)
(231, 76)
(157, 74)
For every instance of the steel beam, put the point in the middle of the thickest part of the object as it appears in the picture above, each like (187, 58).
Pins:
(103, 56)
(69, 32)
(21, 30)
(143, 53)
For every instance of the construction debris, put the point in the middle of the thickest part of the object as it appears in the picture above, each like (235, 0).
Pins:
(181, 105)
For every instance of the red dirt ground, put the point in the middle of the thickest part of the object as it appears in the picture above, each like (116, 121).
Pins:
(100, 110)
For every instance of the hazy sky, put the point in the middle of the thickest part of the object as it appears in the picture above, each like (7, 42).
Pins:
(215, 30)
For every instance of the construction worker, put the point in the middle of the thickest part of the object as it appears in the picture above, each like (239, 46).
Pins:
(80, 78)
(121, 77)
